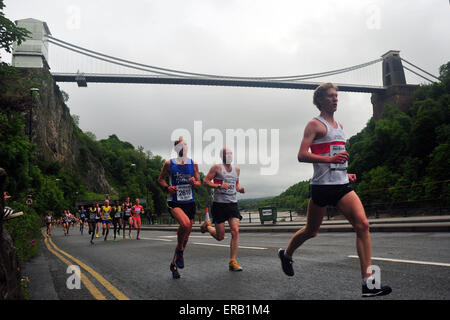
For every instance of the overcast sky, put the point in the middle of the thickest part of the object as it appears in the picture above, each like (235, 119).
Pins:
(236, 38)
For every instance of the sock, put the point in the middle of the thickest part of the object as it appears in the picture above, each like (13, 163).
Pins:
(207, 215)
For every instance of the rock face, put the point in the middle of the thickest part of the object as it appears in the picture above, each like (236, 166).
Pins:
(58, 137)
(9, 268)
(9, 264)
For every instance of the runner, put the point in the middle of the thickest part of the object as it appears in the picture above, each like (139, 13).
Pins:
(224, 178)
(82, 218)
(92, 221)
(183, 176)
(117, 213)
(48, 222)
(330, 186)
(98, 218)
(127, 216)
(106, 218)
(72, 219)
(137, 210)
(66, 222)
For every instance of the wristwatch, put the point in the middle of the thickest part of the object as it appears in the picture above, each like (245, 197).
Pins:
(219, 186)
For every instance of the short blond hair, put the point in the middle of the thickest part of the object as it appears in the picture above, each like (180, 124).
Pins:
(320, 91)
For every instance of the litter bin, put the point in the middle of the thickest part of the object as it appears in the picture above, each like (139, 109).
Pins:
(268, 213)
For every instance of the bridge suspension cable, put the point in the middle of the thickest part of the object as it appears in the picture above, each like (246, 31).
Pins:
(419, 69)
(184, 74)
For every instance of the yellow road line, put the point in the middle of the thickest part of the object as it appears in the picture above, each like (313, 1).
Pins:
(113, 290)
(87, 283)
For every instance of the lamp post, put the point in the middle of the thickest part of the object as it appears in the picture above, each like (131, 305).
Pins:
(30, 114)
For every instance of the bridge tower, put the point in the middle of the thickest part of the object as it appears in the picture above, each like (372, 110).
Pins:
(397, 92)
(33, 52)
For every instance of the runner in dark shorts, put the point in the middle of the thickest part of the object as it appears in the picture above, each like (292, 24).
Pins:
(127, 218)
(183, 177)
(224, 179)
(325, 138)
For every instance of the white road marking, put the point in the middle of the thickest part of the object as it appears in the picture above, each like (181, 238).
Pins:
(157, 239)
(227, 245)
(409, 261)
(203, 237)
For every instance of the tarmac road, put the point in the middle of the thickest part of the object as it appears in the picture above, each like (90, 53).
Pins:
(325, 267)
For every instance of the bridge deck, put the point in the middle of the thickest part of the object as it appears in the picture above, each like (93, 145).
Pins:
(83, 79)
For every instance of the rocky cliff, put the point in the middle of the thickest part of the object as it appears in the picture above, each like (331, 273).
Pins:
(56, 135)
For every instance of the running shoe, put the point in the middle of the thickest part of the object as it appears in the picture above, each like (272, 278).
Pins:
(234, 266)
(204, 226)
(97, 236)
(174, 270)
(130, 236)
(366, 292)
(179, 259)
(92, 242)
(137, 238)
(286, 263)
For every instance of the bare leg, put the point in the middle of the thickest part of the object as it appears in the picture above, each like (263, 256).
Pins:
(234, 244)
(353, 210)
(185, 227)
(314, 217)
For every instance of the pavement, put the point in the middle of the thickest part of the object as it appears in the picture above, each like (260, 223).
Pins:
(439, 223)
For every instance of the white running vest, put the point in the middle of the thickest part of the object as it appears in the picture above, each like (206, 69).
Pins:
(229, 195)
(329, 145)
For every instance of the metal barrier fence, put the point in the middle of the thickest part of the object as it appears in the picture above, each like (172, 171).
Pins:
(395, 209)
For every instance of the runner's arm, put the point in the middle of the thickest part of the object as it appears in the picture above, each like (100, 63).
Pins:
(162, 178)
(208, 180)
(197, 182)
(238, 187)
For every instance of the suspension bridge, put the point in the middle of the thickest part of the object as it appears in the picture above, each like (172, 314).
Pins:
(33, 53)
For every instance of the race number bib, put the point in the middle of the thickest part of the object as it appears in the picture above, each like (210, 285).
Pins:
(232, 186)
(184, 192)
(334, 150)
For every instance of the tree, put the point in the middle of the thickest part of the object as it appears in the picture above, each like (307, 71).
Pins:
(9, 32)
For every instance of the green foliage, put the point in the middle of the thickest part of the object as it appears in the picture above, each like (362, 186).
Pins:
(406, 149)
(9, 32)
(25, 231)
(294, 198)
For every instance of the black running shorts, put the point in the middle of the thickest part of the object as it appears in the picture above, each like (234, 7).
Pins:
(222, 212)
(188, 208)
(328, 195)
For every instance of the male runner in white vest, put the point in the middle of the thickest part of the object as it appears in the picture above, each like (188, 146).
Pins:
(224, 178)
(330, 186)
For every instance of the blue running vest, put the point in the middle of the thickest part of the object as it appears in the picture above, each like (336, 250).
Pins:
(179, 176)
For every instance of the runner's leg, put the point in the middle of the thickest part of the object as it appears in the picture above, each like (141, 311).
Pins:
(314, 217)
(234, 244)
(353, 210)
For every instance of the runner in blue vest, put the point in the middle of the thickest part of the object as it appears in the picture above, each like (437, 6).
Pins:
(82, 218)
(183, 176)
